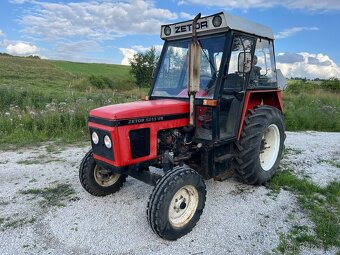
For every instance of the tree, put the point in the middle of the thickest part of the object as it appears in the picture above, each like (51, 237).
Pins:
(142, 66)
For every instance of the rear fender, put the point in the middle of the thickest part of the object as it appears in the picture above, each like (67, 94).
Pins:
(260, 97)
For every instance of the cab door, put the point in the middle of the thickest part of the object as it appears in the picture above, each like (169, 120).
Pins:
(234, 84)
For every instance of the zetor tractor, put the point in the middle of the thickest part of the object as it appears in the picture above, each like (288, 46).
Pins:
(214, 108)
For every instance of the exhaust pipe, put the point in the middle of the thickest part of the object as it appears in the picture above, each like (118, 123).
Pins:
(194, 71)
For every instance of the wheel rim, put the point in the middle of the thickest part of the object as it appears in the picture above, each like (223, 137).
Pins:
(105, 178)
(183, 206)
(270, 146)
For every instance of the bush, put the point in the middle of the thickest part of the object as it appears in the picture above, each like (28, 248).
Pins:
(332, 84)
(100, 82)
(142, 66)
(312, 106)
(297, 87)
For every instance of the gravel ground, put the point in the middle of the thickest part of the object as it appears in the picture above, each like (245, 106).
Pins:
(237, 219)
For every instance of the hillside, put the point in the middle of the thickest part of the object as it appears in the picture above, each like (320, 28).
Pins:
(108, 70)
(42, 99)
(46, 100)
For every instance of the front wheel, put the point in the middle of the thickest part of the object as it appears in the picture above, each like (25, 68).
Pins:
(176, 203)
(97, 180)
(259, 150)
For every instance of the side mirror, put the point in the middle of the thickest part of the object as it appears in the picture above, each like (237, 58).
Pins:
(244, 62)
(194, 67)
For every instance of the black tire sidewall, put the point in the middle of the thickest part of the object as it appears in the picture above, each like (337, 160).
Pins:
(247, 163)
(88, 181)
(169, 188)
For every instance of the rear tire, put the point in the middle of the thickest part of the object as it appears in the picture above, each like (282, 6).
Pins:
(95, 180)
(176, 203)
(259, 150)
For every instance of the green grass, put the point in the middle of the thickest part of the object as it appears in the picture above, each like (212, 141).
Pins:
(333, 162)
(51, 196)
(322, 205)
(41, 159)
(88, 69)
(43, 100)
(8, 222)
(312, 106)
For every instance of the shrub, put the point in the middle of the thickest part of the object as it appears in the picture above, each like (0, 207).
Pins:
(332, 84)
(142, 66)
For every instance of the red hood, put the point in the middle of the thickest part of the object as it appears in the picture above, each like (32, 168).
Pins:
(141, 109)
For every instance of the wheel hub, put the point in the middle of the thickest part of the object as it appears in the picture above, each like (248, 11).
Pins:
(104, 177)
(183, 206)
(270, 146)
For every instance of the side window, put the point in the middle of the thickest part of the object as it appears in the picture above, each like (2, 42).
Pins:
(240, 62)
(263, 71)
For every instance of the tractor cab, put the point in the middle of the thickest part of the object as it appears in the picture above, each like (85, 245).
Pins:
(214, 111)
(236, 56)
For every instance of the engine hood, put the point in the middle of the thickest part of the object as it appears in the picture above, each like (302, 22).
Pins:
(138, 109)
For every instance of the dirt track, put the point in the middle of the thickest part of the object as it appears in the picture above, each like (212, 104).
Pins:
(238, 219)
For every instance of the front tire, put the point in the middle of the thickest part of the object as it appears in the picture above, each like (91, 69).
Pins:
(96, 180)
(176, 203)
(259, 150)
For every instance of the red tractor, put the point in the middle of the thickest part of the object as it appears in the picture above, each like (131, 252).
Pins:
(214, 107)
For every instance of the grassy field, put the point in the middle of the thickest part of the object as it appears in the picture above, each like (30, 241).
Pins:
(44, 100)
(312, 106)
(107, 70)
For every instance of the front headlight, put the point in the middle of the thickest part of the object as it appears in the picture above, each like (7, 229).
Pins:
(95, 138)
(107, 142)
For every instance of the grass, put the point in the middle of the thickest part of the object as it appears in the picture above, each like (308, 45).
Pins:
(321, 204)
(51, 196)
(42, 100)
(292, 151)
(309, 106)
(332, 162)
(87, 69)
(42, 159)
(9, 222)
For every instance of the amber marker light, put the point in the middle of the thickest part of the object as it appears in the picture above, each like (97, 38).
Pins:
(210, 102)
(144, 98)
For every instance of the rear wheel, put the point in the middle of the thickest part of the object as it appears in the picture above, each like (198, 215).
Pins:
(97, 180)
(259, 150)
(176, 203)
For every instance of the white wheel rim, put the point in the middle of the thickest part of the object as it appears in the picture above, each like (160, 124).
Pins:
(270, 146)
(183, 206)
(105, 179)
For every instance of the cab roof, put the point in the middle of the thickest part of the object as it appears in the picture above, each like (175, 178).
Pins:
(205, 26)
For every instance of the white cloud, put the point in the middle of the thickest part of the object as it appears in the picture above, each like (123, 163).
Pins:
(79, 46)
(185, 15)
(99, 20)
(127, 55)
(18, 1)
(4, 43)
(2, 33)
(129, 52)
(21, 49)
(308, 65)
(293, 30)
(310, 5)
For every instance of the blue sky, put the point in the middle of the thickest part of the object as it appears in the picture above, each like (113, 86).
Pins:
(307, 31)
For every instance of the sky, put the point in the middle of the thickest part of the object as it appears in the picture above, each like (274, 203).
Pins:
(307, 33)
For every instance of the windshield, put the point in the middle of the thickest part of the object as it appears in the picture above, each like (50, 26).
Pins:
(172, 78)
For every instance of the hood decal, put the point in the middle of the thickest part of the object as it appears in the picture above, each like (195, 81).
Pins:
(139, 120)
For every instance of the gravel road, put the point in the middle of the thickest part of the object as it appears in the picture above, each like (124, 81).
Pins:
(238, 218)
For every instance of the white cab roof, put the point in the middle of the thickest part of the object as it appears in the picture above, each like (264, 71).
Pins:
(205, 26)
